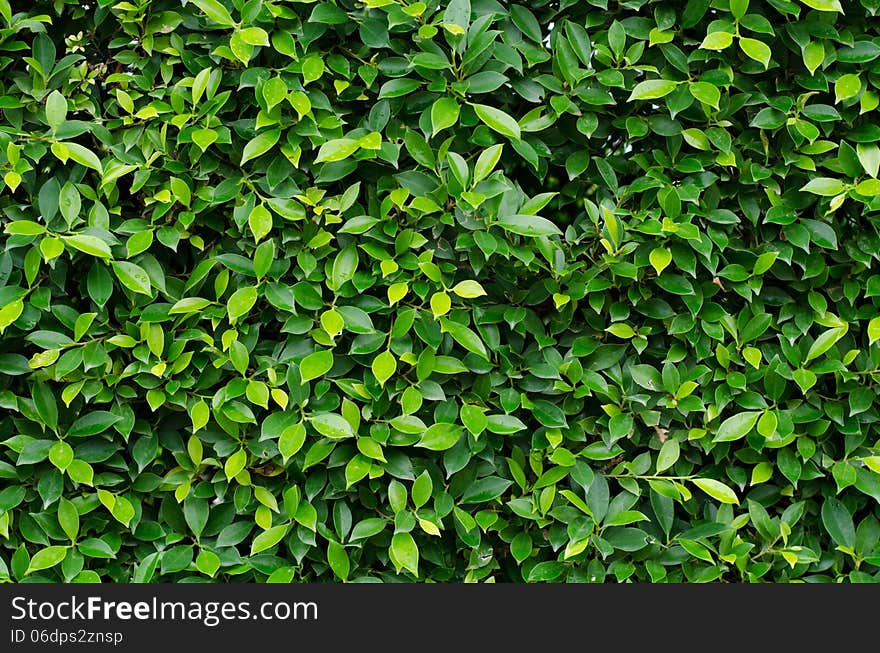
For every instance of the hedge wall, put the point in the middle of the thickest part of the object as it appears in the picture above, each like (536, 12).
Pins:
(466, 291)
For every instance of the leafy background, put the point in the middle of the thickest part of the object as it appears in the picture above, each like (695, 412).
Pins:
(466, 291)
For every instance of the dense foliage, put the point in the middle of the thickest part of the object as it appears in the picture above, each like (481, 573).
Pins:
(466, 291)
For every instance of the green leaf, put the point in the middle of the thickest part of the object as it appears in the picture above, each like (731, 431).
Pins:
(468, 289)
(89, 245)
(498, 120)
(705, 93)
(24, 228)
(46, 558)
(838, 522)
(668, 455)
(133, 277)
(291, 440)
(717, 41)
(485, 490)
(215, 11)
(83, 156)
(824, 342)
(868, 187)
(332, 426)
(487, 161)
(259, 145)
(737, 426)
(444, 114)
(652, 89)
(874, 330)
(465, 337)
(260, 222)
(405, 552)
(338, 560)
(234, 464)
(528, 225)
(315, 365)
(824, 5)
(440, 437)
(814, 55)
(269, 538)
(337, 150)
(757, 50)
(254, 36)
(312, 69)
(241, 302)
(847, 86)
(56, 110)
(383, 367)
(189, 305)
(660, 258)
(68, 518)
(825, 186)
(47, 407)
(274, 91)
(61, 455)
(92, 424)
(716, 490)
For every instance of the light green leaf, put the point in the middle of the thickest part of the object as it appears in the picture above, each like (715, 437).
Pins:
(444, 114)
(260, 222)
(824, 342)
(337, 150)
(468, 289)
(133, 277)
(706, 93)
(825, 186)
(814, 55)
(498, 120)
(716, 490)
(668, 455)
(83, 156)
(254, 36)
(874, 330)
(315, 365)
(260, 144)
(464, 336)
(440, 436)
(736, 427)
(528, 225)
(312, 69)
(269, 538)
(189, 305)
(757, 50)
(240, 302)
(56, 110)
(824, 5)
(234, 464)
(338, 560)
(487, 161)
(652, 89)
(868, 187)
(89, 245)
(659, 258)
(332, 426)
(383, 367)
(717, 41)
(46, 558)
(215, 11)
(405, 552)
(847, 86)
(68, 518)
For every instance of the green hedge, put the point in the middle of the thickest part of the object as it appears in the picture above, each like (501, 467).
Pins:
(466, 291)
